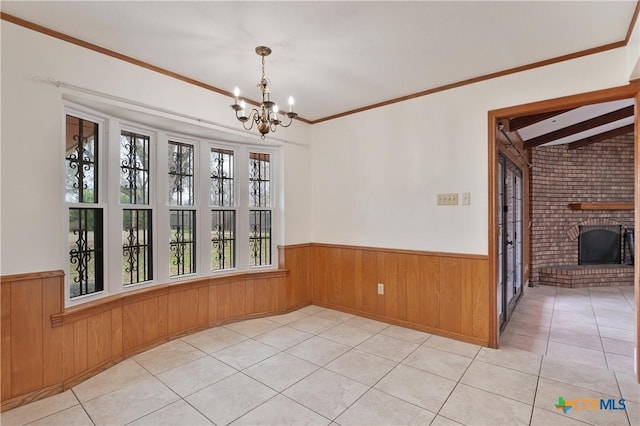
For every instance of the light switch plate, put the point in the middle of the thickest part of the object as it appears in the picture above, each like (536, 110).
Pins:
(450, 199)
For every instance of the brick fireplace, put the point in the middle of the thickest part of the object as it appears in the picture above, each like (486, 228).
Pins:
(600, 174)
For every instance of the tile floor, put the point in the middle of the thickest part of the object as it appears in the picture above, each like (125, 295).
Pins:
(320, 366)
(594, 327)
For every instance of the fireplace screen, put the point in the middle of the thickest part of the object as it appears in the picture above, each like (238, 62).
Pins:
(598, 245)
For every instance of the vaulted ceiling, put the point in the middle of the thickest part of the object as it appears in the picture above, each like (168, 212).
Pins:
(336, 57)
(576, 127)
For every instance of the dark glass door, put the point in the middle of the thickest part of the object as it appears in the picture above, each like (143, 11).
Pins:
(510, 241)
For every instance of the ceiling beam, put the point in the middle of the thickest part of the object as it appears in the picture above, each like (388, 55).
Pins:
(518, 123)
(580, 127)
(602, 136)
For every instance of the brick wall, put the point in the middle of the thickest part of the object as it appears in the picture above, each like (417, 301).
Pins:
(601, 172)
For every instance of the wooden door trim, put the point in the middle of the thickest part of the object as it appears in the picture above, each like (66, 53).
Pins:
(631, 90)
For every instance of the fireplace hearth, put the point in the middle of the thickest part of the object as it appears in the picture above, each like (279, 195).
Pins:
(604, 258)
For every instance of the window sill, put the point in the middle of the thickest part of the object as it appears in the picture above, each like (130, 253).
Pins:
(85, 310)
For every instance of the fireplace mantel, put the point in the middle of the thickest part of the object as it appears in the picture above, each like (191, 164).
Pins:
(601, 206)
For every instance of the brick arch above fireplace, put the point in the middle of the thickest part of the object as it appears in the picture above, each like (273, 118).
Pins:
(574, 231)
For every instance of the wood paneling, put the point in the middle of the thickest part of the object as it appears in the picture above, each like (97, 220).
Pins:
(444, 294)
(59, 348)
(5, 342)
(409, 270)
(26, 337)
(67, 352)
(151, 329)
(51, 336)
(116, 332)
(213, 304)
(188, 309)
(450, 301)
(46, 349)
(366, 273)
(474, 276)
(321, 282)
(297, 283)
(99, 339)
(80, 347)
(132, 326)
(223, 302)
(347, 274)
(430, 291)
(237, 298)
(388, 275)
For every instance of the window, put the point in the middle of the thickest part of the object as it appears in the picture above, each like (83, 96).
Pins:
(145, 207)
(82, 161)
(182, 244)
(180, 174)
(137, 236)
(85, 232)
(137, 260)
(260, 213)
(182, 222)
(223, 213)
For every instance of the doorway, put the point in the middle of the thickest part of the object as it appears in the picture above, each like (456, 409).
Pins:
(510, 237)
(537, 110)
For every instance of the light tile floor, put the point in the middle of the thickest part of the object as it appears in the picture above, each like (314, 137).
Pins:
(319, 366)
(590, 326)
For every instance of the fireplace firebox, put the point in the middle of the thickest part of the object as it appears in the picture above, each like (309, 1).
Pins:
(600, 245)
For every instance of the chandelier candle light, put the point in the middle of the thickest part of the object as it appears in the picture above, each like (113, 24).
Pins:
(266, 119)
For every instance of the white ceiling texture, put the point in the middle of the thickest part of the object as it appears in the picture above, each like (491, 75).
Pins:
(338, 56)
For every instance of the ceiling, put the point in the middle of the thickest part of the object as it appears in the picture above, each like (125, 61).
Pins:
(335, 57)
(576, 127)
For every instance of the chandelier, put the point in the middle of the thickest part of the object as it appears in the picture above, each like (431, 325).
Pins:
(266, 118)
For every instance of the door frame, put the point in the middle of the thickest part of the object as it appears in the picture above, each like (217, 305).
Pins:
(631, 90)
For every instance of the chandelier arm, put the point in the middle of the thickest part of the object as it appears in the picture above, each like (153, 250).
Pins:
(287, 125)
(251, 119)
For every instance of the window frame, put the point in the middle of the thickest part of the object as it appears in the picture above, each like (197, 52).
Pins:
(235, 207)
(117, 207)
(101, 203)
(164, 252)
(273, 182)
(110, 127)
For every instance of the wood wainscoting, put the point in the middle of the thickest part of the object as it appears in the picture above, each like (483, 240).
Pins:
(47, 349)
(440, 293)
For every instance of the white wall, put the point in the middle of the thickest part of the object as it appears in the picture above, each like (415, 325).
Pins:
(375, 175)
(32, 157)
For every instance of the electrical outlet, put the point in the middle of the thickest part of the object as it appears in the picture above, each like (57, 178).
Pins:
(380, 288)
(466, 198)
(450, 199)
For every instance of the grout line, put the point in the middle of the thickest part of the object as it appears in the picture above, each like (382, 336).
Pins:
(535, 393)
(82, 406)
(457, 383)
(398, 363)
(317, 368)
